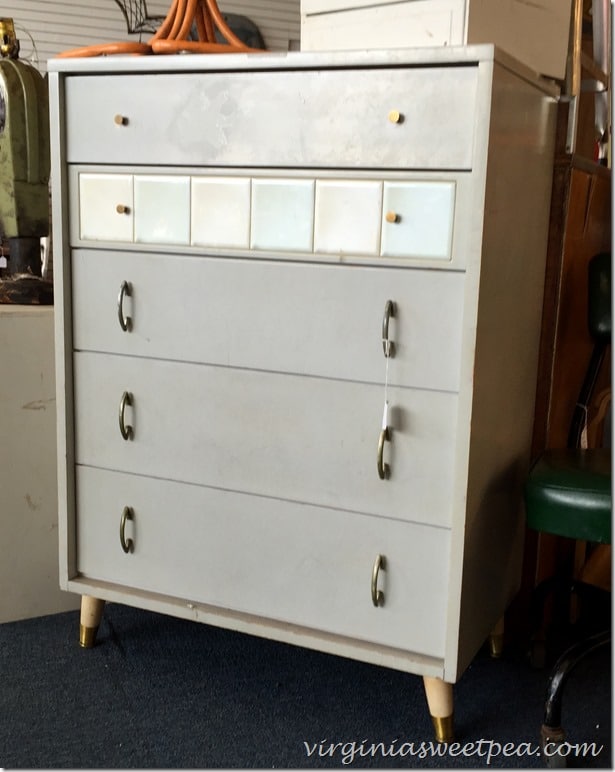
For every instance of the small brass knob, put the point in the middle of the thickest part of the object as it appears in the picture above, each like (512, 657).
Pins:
(120, 120)
(122, 209)
(395, 116)
(392, 217)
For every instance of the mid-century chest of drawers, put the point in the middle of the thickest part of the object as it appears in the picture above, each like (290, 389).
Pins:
(298, 302)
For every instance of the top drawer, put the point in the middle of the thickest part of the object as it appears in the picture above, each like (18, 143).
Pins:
(378, 118)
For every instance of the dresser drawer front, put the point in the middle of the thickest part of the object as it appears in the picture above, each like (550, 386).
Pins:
(341, 216)
(323, 320)
(331, 118)
(293, 563)
(304, 439)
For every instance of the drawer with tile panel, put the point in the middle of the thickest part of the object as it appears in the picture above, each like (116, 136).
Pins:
(385, 118)
(241, 553)
(316, 440)
(423, 218)
(302, 318)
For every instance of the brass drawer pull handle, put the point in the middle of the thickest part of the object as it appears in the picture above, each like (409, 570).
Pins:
(395, 116)
(125, 291)
(127, 544)
(125, 430)
(377, 595)
(120, 120)
(383, 469)
(388, 346)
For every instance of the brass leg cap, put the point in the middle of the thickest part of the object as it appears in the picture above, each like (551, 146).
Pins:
(552, 734)
(443, 728)
(87, 636)
(496, 645)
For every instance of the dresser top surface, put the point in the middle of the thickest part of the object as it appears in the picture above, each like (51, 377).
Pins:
(441, 56)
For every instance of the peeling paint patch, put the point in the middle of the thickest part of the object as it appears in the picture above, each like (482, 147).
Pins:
(37, 404)
(33, 505)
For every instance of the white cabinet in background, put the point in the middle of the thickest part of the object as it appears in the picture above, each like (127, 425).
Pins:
(29, 567)
(536, 33)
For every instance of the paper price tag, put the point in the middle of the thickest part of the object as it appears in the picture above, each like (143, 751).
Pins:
(385, 414)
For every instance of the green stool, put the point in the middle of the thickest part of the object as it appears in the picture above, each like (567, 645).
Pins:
(568, 492)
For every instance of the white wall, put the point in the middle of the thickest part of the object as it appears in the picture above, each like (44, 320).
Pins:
(45, 28)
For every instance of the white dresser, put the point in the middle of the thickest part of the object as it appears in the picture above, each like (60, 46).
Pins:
(254, 253)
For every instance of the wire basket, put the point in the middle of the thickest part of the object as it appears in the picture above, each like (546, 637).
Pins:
(137, 18)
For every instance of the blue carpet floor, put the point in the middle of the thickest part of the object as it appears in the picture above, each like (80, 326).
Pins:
(158, 692)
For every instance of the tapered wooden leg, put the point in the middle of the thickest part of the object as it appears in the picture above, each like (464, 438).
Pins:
(496, 640)
(439, 695)
(91, 614)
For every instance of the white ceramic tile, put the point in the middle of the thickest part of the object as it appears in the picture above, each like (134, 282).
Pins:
(282, 214)
(162, 209)
(99, 197)
(220, 212)
(425, 215)
(347, 219)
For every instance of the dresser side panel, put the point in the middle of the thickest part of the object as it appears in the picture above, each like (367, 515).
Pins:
(473, 246)
(63, 330)
(518, 186)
